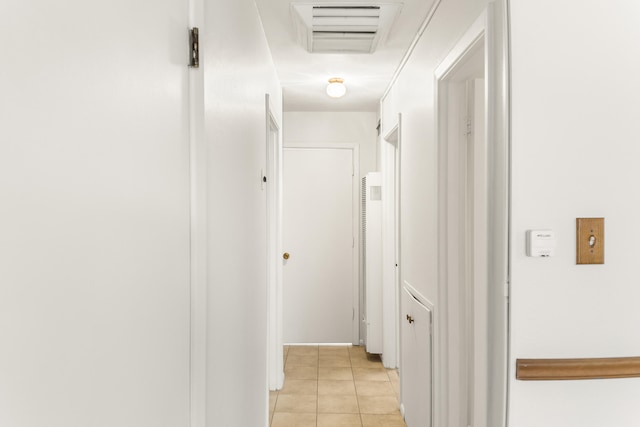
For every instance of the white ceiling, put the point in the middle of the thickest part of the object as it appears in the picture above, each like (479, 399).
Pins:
(304, 75)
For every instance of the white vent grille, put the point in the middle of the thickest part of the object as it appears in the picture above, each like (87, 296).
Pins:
(343, 28)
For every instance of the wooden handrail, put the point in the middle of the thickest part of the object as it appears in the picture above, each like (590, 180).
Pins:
(577, 369)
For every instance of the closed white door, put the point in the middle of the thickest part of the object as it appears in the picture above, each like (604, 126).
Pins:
(94, 214)
(417, 361)
(318, 235)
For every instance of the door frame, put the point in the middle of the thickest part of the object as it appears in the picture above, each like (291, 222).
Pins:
(487, 32)
(273, 186)
(391, 142)
(355, 155)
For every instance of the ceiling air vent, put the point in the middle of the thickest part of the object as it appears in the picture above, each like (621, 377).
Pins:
(343, 28)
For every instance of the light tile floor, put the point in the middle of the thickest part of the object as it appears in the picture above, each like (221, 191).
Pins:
(327, 386)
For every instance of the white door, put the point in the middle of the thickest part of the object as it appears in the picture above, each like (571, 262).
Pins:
(94, 214)
(318, 227)
(416, 369)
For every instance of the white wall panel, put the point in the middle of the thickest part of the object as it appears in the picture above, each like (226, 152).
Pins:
(574, 106)
(94, 214)
(336, 127)
(238, 71)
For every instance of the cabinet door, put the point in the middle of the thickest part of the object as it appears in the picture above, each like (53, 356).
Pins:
(417, 361)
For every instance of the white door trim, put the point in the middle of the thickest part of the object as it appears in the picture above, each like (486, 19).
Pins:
(273, 173)
(391, 248)
(489, 30)
(355, 148)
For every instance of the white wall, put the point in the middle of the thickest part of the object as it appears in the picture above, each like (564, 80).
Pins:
(94, 214)
(574, 105)
(336, 127)
(575, 152)
(413, 96)
(238, 72)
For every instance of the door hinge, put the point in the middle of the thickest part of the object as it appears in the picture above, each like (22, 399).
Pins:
(469, 126)
(194, 48)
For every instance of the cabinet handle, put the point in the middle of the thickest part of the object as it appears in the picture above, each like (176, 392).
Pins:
(410, 319)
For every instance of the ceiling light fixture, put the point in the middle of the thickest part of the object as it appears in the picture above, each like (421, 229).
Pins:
(336, 88)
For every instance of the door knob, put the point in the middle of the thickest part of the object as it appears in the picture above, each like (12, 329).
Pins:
(410, 319)
(285, 255)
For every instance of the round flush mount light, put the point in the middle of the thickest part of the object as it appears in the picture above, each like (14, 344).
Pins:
(336, 88)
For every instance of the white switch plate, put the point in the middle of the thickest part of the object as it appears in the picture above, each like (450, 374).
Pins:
(541, 243)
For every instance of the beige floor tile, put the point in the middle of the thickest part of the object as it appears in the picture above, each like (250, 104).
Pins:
(303, 350)
(338, 405)
(308, 387)
(369, 420)
(393, 375)
(336, 388)
(370, 374)
(366, 362)
(374, 388)
(333, 350)
(296, 403)
(335, 374)
(285, 419)
(334, 361)
(339, 420)
(376, 404)
(273, 396)
(295, 360)
(357, 349)
(396, 387)
(300, 373)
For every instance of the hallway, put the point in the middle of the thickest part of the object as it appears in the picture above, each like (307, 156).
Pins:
(335, 386)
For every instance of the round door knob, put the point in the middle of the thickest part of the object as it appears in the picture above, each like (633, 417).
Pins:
(285, 255)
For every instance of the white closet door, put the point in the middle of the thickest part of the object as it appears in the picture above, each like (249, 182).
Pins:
(417, 361)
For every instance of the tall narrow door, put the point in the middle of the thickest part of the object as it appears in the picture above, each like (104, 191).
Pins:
(318, 237)
(94, 214)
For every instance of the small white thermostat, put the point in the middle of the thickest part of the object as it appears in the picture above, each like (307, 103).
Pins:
(541, 243)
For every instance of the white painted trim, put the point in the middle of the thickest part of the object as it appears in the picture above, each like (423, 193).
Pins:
(320, 145)
(411, 48)
(322, 344)
(391, 297)
(399, 276)
(355, 220)
(390, 135)
(418, 296)
(466, 43)
(490, 28)
(450, 395)
(273, 172)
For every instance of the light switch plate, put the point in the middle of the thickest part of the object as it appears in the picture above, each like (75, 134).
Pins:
(589, 240)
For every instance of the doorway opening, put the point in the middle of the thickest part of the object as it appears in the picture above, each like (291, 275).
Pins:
(271, 182)
(390, 156)
(461, 108)
(471, 323)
